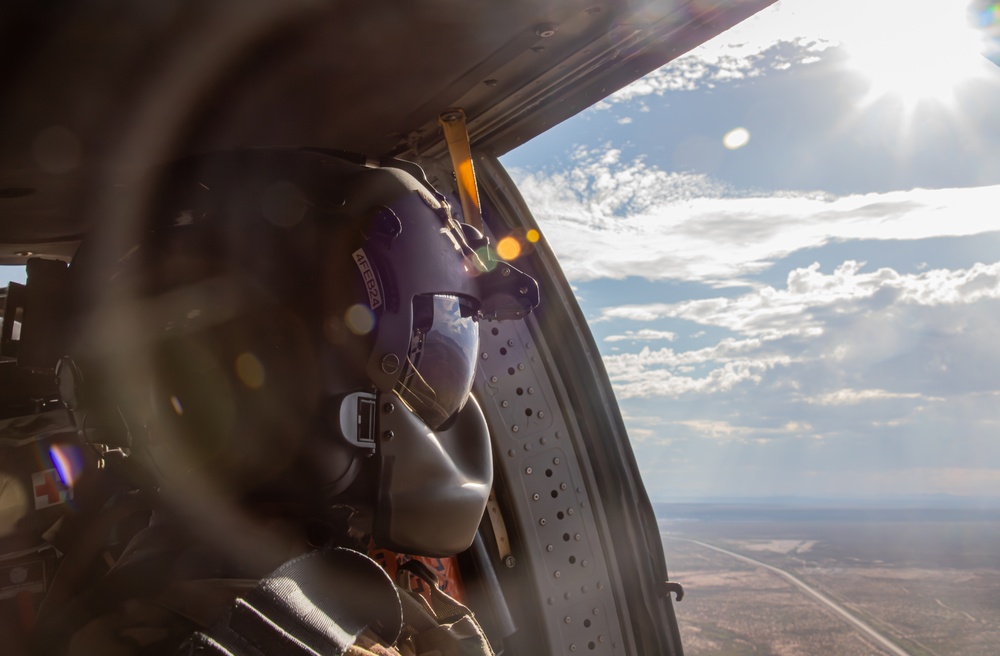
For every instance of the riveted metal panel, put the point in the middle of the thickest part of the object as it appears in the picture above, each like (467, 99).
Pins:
(551, 496)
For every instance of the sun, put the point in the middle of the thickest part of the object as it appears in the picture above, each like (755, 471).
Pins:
(915, 51)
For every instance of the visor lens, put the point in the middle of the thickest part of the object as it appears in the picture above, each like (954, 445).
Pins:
(441, 362)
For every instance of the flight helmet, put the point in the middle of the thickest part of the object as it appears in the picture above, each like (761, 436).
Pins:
(303, 322)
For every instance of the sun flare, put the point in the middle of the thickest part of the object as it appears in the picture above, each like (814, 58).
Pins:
(915, 52)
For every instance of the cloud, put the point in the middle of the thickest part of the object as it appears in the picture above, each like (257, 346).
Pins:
(711, 66)
(716, 429)
(668, 373)
(840, 339)
(748, 50)
(856, 396)
(794, 33)
(608, 218)
(599, 189)
(644, 335)
(770, 313)
(726, 431)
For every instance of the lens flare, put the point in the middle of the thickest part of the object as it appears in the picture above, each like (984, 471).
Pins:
(68, 461)
(533, 236)
(508, 248)
(914, 56)
(360, 319)
(250, 370)
(14, 503)
(175, 403)
(736, 138)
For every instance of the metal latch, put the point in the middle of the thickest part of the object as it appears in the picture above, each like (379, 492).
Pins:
(672, 586)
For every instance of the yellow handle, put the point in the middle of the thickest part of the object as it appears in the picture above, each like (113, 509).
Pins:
(457, 136)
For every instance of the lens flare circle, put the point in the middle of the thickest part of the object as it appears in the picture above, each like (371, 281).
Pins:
(508, 248)
(359, 319)
(250, 370)
(736, 138)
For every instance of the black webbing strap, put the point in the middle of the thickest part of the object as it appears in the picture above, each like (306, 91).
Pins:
(314, 605)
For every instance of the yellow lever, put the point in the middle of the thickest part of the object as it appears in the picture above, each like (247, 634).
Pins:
(457, 136)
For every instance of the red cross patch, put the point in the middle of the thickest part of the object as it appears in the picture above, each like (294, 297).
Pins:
(49, 489)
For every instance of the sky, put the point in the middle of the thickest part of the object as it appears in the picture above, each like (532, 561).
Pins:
(787, 244)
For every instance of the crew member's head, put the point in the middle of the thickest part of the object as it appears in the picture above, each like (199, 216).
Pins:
(290, 324)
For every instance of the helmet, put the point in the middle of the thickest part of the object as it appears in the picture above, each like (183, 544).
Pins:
(296, 322)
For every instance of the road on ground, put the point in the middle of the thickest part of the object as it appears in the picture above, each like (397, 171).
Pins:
(865, 628)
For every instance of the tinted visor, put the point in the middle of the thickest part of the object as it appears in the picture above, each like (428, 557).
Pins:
(441, 362)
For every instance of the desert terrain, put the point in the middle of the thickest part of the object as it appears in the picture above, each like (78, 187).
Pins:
(789, 581)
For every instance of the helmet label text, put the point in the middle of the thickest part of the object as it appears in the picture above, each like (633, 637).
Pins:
(368, 276)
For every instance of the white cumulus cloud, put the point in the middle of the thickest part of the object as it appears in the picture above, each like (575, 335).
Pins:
(608, 218)
(845, 338)
(747, 50)
(770, 313)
